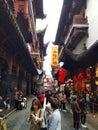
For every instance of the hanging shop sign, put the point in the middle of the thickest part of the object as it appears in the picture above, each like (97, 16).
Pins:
(54, 56)
(96, 75)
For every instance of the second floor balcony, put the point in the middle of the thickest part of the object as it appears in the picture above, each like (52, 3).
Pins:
(80, 21)
(77, 30)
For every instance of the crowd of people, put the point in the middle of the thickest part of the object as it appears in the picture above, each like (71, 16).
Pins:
(5, 103)
(19, 101)
(44, 113)
(47, 106)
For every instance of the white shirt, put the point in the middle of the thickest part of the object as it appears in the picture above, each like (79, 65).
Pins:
(54, 121)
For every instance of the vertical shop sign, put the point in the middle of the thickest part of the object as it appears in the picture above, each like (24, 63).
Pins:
(54, 57)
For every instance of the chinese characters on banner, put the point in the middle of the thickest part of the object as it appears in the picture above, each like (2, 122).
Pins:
(54, 57)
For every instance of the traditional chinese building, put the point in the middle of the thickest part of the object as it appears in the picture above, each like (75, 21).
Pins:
(77, 39)
(18, 39)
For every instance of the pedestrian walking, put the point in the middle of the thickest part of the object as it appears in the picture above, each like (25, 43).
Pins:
(87, 99)
(76, 113)
(83, 108)
(60, 99)
(16, 98)
(36, 116)
(48, 95)
(42, 97)
(54, 120)
(91, 101)
(63, 102)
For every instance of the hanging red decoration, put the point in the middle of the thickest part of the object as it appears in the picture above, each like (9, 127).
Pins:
(75, 79)
(80, 77)
(62, 74)
(88, 75)
(47, 80)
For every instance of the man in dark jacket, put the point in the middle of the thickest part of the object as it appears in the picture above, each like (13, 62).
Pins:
(82, 105)
(76, 113)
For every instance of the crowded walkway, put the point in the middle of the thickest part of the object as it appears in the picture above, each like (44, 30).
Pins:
(18, 120)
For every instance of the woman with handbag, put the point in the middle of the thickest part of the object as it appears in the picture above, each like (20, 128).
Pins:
(36, 116)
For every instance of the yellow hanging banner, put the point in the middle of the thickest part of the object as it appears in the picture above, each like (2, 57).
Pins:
(54, 57)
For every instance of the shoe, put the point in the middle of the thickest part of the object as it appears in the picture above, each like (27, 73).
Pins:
(64, 110)
(84, 126)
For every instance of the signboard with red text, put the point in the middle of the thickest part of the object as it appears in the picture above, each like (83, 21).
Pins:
(54, 56)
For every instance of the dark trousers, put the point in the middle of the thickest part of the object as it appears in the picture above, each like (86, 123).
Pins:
(83, 118)
(91, 107)
(76, 118)
(16, 103)
(64, 105)
(42, 103)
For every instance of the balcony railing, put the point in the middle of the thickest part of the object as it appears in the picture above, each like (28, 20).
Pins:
(79, 19)
(79, 23)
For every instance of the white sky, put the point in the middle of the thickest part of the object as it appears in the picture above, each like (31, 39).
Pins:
(52, 8)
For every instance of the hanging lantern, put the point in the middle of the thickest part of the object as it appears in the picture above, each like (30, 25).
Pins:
(88, 75)
(47, 80)
(80, 77)
(75, 79)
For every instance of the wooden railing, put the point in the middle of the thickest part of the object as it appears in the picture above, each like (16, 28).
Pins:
(79, 19)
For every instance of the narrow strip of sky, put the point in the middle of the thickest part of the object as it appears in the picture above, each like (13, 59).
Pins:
(53, 10)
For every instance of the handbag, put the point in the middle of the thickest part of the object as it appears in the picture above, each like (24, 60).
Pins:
(44, 127)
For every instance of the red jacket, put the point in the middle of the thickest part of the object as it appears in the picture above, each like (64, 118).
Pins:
(64, 98)
(75, 107)
(42, 98)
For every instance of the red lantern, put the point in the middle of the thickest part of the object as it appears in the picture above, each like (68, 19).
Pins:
(80, 77)
(47, 80)
(88, 75)
(75, 79)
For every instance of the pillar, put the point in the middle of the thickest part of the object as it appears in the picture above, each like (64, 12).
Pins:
(17, 71)
(10, 63)
(20, 79)
(0, 69)
(28, 84)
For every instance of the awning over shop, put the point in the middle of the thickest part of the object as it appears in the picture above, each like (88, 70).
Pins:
(12, 40)
(83, 60)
